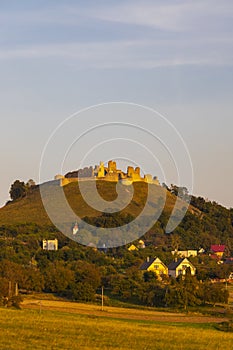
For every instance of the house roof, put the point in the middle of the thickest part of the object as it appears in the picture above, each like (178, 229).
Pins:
(173, 265)
(217, 248)
(132, 247)
(147, 264)
(229, 261)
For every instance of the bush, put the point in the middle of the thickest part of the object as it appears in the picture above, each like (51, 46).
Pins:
(14, 301)
(226, 326)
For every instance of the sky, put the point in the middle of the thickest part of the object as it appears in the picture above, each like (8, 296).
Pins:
(176, 57)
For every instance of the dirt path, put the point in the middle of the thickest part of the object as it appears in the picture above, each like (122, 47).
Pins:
(121, 313)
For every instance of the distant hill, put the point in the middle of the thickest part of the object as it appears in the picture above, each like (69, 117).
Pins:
(30, 208)
(205, 222)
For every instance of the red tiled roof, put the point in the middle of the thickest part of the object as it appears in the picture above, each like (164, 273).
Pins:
(217, 248)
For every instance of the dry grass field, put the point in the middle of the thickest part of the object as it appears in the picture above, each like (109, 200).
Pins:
(65, 325)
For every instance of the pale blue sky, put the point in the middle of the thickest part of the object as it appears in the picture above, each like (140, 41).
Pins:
(174, 56)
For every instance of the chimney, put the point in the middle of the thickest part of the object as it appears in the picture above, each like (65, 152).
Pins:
(148, 259)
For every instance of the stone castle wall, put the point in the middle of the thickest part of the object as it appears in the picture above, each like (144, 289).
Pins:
(109, 173)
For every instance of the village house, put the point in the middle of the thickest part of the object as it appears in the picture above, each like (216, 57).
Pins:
(132, 247)
(50, 244)
(185, 253)
(155, 265)
(217, 251)
(179, 267)
(229, 261)
(141, 244)
(201, 251)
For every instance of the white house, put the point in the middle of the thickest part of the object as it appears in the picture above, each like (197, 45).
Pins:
(50, 244)
(185, 253)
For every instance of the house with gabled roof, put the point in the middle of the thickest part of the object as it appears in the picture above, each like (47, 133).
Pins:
(132, 247)
(179, 267)
(217, 250)
(155, 265)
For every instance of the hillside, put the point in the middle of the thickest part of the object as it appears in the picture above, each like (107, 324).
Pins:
(76, 271)
(30, 209)
(205, 222)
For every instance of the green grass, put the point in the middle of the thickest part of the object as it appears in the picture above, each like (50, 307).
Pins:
(28, 329)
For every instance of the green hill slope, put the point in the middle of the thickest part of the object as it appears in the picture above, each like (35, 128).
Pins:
(30, 209)
(205, 222)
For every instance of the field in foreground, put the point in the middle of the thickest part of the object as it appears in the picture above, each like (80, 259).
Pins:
(78, 326)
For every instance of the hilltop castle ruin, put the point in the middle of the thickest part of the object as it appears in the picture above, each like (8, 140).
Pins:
(109, 173)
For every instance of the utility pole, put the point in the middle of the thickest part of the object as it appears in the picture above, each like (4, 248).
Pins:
(102, 298)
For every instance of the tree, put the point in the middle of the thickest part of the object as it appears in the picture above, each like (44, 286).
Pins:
(86, 279)
(30, 183)
(215, 293)
(184, 292)
(152, 293)
(175, 241)
(149, 276)
(165, 186)
(124, 287)
(86, 273)
(18, 190)
(82, 291)
(4, 287)
(58, 277)
(181, 192)
(33, 280)
(11, 271)
(174, 189)
(84, 237)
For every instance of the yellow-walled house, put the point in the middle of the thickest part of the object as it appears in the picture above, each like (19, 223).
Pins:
(179, 267)
(132, 247)
(155, 265)
(185, 253)
(217, 250)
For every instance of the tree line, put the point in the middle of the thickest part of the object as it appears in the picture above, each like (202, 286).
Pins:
(77, 272)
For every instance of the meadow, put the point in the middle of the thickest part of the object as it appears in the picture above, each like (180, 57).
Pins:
(61, 325)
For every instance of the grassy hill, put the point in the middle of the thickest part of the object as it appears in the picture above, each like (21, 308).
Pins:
(30, 209)
(205, 222)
